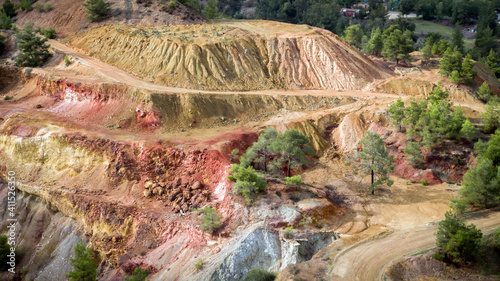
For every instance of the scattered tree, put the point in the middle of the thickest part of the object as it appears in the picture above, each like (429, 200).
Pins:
(481, 185)
(354, 35)
(491, 116)
(468, 131)
(5, 21)
(374, 160)
(97, 10)
(485, 92)
(492, 151)
(26, 5)
(458, 240)
(293, 147)
(457, 39)
(260, 151)
(415, 157)
(210, 10)
(398, 46)
(247, 182)
(492, 63)
(84, 269)
(397, 113)
(9, 9)
(34, 50)
(375, 44)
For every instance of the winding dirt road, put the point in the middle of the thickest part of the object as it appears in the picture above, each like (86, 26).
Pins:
(369, 259)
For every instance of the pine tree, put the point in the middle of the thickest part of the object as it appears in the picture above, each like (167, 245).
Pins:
(354, 35)
(97, 10)
(211, 220)
(415, 157)
(485, 41)
(458, 240)
(457, 39)
(491, 116)
(5, 21)
(9, 9)
(25, 5)
(210, 10)
(84, 269)
(397, 46)
(451, 61)
(34, 50)
(492, 63)
(373, 160)
(139, 274)
(468, 131)
(481, 186)
(485, 92)
(467, 73)
(396, 113)
(293, 147)
(375, 44)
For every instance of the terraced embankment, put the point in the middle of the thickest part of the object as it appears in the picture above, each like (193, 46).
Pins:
(247, 55)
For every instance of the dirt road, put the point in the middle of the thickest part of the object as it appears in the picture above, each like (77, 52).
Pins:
(369, 259)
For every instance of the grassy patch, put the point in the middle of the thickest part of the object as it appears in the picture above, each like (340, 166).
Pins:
(420, 253)
(424, 27)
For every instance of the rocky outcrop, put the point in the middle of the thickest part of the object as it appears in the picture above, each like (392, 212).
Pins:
(265, 249)
(248, 55)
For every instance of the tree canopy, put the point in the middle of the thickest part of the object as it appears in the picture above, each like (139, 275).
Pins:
(373, 160)
(34, 50)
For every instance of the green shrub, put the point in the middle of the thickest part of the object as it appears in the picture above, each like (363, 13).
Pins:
(47, 7)
(259, 274)
(456, 239)
(287, 232)
(5, 21)
(97, 10)
(495, 242)
(49, 33)
(67, 61)
(248, 183)
(415, 157)
(139, 274)
(438, 256)
(172, 5)
(424, 182)
(199, 264)
(83, 266)
(34, 50)
(295, 180)
(7, 98)
(211, 219)
(25, 5)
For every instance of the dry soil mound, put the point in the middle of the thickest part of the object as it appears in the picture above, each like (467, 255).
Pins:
(241, 55)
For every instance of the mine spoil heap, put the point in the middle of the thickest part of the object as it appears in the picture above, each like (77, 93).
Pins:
(234, 56)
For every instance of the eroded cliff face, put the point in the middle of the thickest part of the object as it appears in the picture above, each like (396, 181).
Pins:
(247, 55)
(45, 237)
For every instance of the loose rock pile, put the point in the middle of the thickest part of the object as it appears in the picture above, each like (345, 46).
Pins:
(180, 196)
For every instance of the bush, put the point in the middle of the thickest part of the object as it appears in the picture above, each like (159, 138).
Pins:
(295, 180)
(495, 242)
(171, 6)
(49, 33)
(97, 10)
(259, 274)
(199, 264)
(287, 232)
(415, 157)
(5, 21)
(47, 7)
(139, 274)
(424, 182)
(34, 50)
(83, 266)
(25, 5)
(458, 240)
(211, 220)
(67, 61)
(248, 183)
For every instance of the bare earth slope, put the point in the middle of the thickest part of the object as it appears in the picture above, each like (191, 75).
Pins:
(246, 55)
